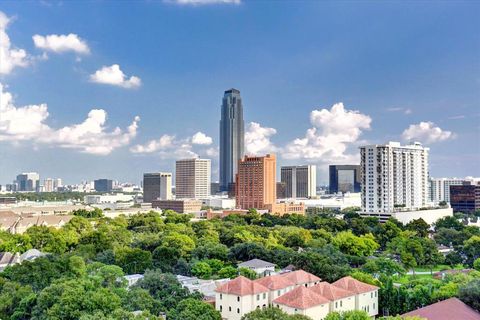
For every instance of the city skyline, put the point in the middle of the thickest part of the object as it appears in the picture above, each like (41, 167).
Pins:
(292, 86)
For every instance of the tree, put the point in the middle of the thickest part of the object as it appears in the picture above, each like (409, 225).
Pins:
(348, 315)
(449, 223)
(95, 213)
(211, 251)
(47, 239)
(471, 249)
(470, 294)
(192, 309)
(202, 270)
(272, 313)
(146, 222)
(133, 260)
(419, 226)
(165, 258)
(182, 242)
(349, 243)
(476, 264)
(227, 272)
(383, 265)
(248, 273)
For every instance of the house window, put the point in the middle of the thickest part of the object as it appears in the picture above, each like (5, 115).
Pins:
(264, 295)
(341, 303)
(220, 296)
(375, 293)
(229, 308)
(306, 285)
(336, 304)
(258, 297)
(279, 292)
(373, 306)
(371, 294)
(238, 299)
(238, 310)
(220, 308)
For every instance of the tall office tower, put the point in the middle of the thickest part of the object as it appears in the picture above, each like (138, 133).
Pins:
(48, 185)
(300, 181)
(344, 178)
(192, 178)
(28, 181)
(440, 187)
(394, 176)
(157, 186)
(255, 185)
(103, 185)
(465, 198)
(57, 183)
(232, 131)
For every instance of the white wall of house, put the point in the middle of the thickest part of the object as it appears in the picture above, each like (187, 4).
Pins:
(344, 304)
(316, 313)
(274, 294)
(368, 302)
(233, 307)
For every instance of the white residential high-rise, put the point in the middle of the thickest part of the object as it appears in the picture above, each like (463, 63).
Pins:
(192, 178)
(440, 187)
(300, 181)
(48, 185)
(57, 183)
(394, 176)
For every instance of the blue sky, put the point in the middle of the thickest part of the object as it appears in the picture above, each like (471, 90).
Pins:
(403, 71)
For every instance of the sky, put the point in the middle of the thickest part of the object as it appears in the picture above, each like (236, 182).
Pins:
(117, 88)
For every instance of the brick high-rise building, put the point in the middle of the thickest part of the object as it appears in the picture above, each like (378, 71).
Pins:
(255, 185)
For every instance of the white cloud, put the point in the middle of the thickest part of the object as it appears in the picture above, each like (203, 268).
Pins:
(332, 133)
(28, 123)
(113, 75)
(400, 109)
(257, 139)
(171, 147)
(201, 138)
(426, 132)
(203, 2)
(61, 43)
(9, 57)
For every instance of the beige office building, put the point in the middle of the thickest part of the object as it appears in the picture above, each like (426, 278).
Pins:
(192, 178)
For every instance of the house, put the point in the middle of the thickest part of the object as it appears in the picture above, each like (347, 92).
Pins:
(239, 297)
(296, 292)
(304, 301)
(132, 279)
(261, 267)
(450, 309)
(8, 259)
(31, 255)
(366, 295)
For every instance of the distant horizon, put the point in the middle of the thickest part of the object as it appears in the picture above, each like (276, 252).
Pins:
(141, 84)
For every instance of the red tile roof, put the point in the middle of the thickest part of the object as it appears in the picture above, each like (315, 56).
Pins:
(241, 286)
(351, 284)
(331, 292)
(300, 277)
(449, 309)
(301, 298)
(275, 282)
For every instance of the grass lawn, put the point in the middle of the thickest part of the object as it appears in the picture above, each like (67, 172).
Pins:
(406, 278)
(440, 267)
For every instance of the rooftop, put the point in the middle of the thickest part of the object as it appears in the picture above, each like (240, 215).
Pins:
(256, 263)
(331, 292)
(241, 286)
(353, 285)
(448, 309)
(275, 282)
(300, 277)
(301, 298)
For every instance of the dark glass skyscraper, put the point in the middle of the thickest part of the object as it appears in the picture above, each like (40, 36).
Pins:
(232, 131)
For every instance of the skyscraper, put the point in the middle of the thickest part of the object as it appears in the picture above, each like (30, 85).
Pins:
(344, 178)
(393, 176)
(300, 181)
(256, 182)
(157, 186)
(103, 185)
(232, 130)
(28, 181)
(192, 178)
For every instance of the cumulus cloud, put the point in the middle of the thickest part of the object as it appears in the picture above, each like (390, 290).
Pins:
(28, 123)
(171, 147)
(332, 133)
(257, 139)
(9, 57)
(201, 138)
(114, 76)
(61, 43)
(426, 132)
(203, 2)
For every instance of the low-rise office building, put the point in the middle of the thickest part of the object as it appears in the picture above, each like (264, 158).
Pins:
(180, 206)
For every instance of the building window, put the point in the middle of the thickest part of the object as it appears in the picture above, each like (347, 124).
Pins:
(220, 296)
(375, 293)
(336, 304)
(279, 292)
(229, 308)
(238, 299)
(341, 303)
(220, 308)
(264, 295)
(371, 294)
(258, 297)
(373, 306)
(238, 310)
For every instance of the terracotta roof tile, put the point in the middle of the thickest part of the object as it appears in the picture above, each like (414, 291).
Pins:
(301, 298)
(275, 282)
(331, 292)
(449, 309)
(241, 286)
(351, 284)
(300, 277)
